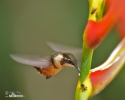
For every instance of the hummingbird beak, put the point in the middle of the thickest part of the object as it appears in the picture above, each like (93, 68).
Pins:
(77, 68)
(76, 65)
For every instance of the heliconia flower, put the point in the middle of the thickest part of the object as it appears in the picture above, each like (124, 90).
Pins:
(98, 28)
(92, 81)
(96, 31)
(102, 75)
(121, 20)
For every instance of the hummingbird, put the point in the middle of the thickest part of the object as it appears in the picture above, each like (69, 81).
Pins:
(66, 56)
(50, 65)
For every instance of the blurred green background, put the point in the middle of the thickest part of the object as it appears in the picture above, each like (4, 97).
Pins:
(26, 26)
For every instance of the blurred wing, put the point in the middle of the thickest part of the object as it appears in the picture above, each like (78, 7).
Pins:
(33, 60)
(62, 48)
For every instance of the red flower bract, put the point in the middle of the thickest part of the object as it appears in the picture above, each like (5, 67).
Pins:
(95, 32)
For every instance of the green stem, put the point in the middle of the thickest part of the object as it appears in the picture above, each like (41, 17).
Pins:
(86, 62)
(84, 87)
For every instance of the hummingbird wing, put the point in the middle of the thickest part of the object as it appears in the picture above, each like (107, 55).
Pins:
(63, 48)
(33, 60)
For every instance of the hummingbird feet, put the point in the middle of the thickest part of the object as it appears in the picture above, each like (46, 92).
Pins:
(47, 77)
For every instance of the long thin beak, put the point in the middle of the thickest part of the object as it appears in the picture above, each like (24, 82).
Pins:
(77, 68)
(76, 65)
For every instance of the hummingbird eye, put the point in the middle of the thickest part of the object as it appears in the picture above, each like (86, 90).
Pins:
(66, 59)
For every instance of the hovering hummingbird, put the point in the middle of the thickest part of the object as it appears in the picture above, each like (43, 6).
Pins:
(97, 79)
(50, 65)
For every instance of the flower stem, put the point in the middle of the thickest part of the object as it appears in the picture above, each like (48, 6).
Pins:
(83, 89)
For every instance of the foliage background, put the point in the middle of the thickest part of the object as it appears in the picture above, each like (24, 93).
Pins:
(26, 26)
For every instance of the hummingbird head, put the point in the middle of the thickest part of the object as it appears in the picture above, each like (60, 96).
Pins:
(64, 60)
(70, 60)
